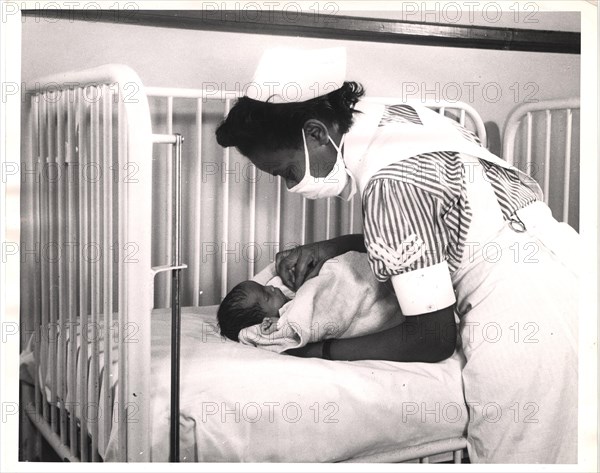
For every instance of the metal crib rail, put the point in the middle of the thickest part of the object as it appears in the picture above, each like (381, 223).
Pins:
(175, 269)
(79, 185)
(226, 96)
(525, 112)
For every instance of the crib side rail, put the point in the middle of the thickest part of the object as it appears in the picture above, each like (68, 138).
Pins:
(524, 111)
(521, 124)
(91, 208)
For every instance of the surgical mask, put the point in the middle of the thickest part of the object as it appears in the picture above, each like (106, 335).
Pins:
(321, 187)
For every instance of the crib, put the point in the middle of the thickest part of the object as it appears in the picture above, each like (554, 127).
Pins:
(97, 129)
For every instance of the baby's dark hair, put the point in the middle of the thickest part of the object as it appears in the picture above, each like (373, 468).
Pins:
(235, 314)
(253, 125)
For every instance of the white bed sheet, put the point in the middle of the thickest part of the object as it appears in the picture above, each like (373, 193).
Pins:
(245, 404)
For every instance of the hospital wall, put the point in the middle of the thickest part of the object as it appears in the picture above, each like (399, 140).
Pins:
(493, 82)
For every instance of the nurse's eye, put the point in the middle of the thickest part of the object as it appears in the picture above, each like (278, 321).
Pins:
(290, 177)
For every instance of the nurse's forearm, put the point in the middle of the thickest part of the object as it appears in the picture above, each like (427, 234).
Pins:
(345, 243)
(427, 338)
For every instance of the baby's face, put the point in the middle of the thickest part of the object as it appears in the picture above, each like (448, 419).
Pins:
(270, 298)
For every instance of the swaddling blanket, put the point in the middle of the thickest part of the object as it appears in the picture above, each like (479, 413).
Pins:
(344, 300)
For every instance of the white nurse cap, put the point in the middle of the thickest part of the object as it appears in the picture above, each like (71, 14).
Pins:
(288, 75)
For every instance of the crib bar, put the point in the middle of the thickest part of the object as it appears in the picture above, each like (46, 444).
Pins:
(53, 261)
(457, 456)
(72, 169)
(51, 255)
(95, 269)
(108, 254)
(351, 216)
(567, 182)
(169, 197)
(547, 155)
(203, 94)
(528, 169)
(176, 304)
(426, 451)
(83, 272)
(51, 438)
(122, 295)
(328, 219)
(442, 111)
(159, 138)
(62, 280)
(43, 134)
(252, 231)
(137, 278)
(225, 228)
(303, 234)
(197, 206)
(462, 117)
(35, 202)
(278, 214)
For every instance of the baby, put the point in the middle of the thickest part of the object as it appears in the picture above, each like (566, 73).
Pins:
(344, 300)
(247, 304)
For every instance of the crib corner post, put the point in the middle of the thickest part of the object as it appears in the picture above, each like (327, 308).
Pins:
(138, 278)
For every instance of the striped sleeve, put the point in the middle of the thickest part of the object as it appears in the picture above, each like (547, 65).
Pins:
(417, 212)
(400, 233)
(416, 218)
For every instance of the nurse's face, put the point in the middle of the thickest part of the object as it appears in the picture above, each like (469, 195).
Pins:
(286, 162)
(290, 163)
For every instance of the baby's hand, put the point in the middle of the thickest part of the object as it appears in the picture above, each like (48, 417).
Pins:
(268, 325)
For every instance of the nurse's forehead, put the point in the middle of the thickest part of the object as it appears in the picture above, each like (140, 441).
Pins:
(272, 159)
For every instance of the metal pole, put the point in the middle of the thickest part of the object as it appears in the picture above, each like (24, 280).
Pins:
(175, 303)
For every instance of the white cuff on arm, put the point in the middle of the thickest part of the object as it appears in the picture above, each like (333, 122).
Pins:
(424, 290)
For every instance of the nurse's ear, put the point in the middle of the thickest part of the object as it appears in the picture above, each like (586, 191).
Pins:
(316, 131)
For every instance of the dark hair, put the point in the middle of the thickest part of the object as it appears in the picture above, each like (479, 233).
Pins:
(253, 124)
(234, 314)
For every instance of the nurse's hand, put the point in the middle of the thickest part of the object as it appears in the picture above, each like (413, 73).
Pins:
(298, 265)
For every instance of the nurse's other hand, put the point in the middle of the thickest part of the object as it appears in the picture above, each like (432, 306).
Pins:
(298, 265)
(311, 350)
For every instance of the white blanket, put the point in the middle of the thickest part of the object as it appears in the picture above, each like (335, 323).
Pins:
(344, 300)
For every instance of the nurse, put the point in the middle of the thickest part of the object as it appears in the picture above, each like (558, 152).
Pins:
(453, 227)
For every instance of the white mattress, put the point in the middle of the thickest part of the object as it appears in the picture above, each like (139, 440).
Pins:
(245, 404)
(241, 403)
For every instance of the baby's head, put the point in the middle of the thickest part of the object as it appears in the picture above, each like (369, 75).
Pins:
(247, 304)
